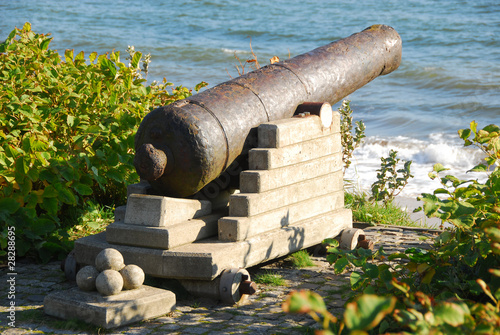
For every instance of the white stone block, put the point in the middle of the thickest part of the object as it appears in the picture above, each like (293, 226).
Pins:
(158, 211)
(285, 132)
(267, 159)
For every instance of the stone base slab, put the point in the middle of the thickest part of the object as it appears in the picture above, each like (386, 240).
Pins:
(206, 259)
(109, 312)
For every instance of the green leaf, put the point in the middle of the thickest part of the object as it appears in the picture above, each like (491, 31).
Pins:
(50, 205)
(21, 166)
(112, 159)
(439, 168)
(371, 270)
(479, 168)
(471, 258)
(42, 227)
(68, 56)
(93, 56)
(37, 145)
(135, 60)
(451, 313)
(386, 276)
(66, 196)
(357, 280)
(340, 265)
(115, 175)
(107, 64)
(367, 311)
(473, 126)
(45, 43)
(464, 133)
(9, 205)
(50, 192)
(82, 189)
(304, 302)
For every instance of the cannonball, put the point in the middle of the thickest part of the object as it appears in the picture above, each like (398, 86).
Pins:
(86, 277)
(133, 277)
(109, 259)
(109, 282)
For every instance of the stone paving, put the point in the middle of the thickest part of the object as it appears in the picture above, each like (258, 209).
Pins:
(260, 314)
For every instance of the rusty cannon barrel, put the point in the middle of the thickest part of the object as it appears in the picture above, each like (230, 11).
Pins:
(183, 146)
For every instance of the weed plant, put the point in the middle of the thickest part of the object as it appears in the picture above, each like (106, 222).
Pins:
(269, 278)
(365, 210)
(300, 259)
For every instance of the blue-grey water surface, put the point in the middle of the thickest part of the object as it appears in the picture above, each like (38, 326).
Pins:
(449, 76)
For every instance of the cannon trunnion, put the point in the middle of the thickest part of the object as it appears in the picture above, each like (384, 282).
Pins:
(181, 147)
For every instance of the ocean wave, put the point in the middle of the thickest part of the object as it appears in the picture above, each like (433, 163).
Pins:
(438, 148)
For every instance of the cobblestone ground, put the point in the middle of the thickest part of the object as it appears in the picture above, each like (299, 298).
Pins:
(260, 314)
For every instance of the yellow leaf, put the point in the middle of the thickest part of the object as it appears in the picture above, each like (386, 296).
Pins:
(412, 266)
(421, 268)
(275, 59)
(428, 276)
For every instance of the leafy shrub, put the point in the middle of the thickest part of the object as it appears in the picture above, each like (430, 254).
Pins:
(67, 131)
(348, 140)
(390, 180)
(453, 288)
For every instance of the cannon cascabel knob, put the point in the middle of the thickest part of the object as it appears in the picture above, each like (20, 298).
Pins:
(150, 162)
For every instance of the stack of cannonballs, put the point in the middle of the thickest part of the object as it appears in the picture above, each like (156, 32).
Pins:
(110, 275)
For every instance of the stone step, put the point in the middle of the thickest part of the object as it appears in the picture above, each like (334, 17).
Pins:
(251, 204)
(285, 132)
(205, 260)
(268, 159)
(163, 237)
(241, 228)
(158, 211)
(255, 181)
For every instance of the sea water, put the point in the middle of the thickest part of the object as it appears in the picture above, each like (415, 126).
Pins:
(449, 75)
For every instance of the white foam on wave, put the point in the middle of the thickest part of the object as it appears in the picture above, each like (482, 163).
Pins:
(439, 148)
(233, 51)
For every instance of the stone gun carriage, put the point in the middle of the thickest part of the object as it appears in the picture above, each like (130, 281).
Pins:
(241, 134)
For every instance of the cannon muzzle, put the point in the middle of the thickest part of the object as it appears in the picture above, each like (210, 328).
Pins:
(182, 147)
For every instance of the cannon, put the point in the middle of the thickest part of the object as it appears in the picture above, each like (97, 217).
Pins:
(291, 197)
(182, 147)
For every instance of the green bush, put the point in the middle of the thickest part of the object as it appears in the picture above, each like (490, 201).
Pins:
(67, 129)
(454, 288)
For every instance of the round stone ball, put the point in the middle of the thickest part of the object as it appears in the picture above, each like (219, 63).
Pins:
(109, 282)
(86, 277)
(133, 277)
(109, 259)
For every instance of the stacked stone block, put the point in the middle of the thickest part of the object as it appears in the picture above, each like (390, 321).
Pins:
(162, 222)
(295, 176)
